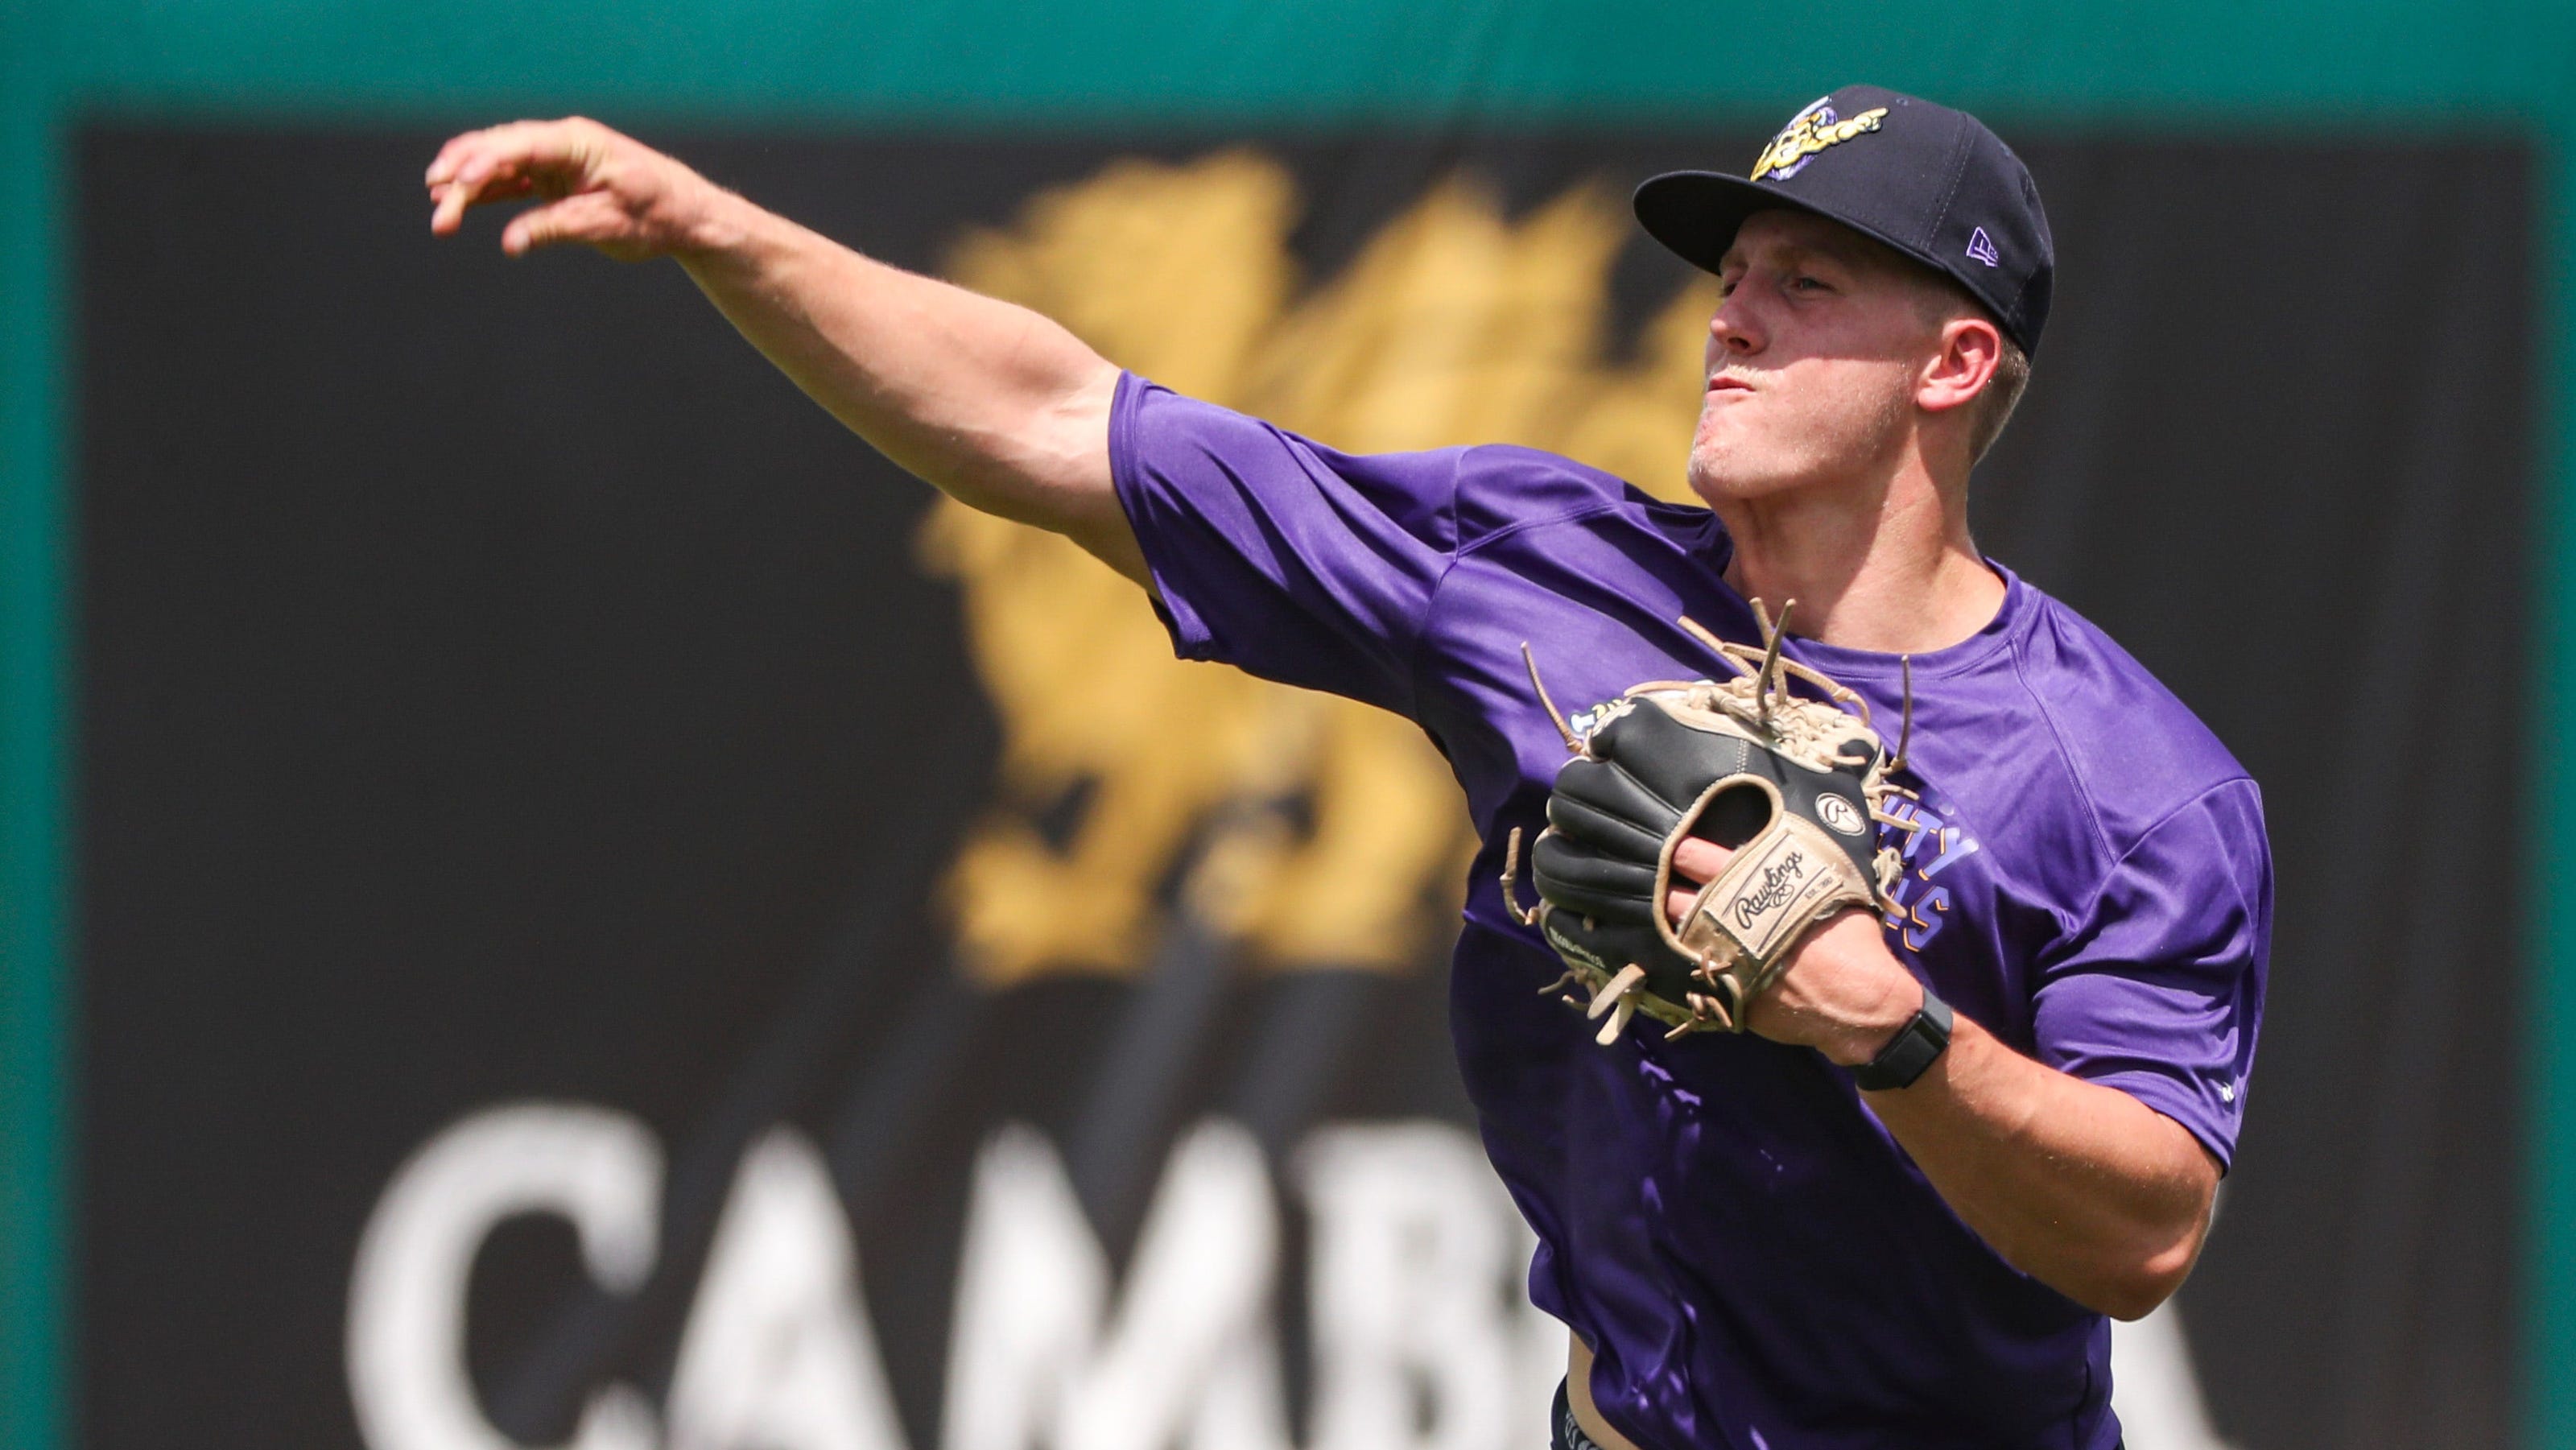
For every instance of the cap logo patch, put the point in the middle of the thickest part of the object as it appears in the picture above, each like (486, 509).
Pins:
(1981, 248)
(1811, 131)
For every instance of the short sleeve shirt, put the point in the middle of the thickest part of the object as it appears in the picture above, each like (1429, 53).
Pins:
(1753, 1259)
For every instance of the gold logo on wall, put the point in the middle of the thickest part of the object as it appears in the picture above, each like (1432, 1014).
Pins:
(1309, 830)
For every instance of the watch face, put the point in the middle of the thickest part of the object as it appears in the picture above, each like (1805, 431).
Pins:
(1912, 1051)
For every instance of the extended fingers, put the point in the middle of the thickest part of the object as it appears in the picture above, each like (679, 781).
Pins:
(590, 216)
(506, 161)
(571, 140)
(451, 198)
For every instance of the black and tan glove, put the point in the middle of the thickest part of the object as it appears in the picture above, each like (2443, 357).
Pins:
(1792, 786)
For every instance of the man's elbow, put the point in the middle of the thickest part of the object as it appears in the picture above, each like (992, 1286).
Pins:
(2133, 1290)
(2146, 1269)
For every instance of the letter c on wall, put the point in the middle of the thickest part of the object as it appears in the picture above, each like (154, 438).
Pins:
(599, 1169)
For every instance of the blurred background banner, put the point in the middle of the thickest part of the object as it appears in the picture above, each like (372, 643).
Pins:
(553, 898)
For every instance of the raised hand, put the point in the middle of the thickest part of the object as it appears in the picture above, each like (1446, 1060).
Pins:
(1004, 409)
(598, 188)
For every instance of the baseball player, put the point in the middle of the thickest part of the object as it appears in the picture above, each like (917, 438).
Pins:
(1951, 1119)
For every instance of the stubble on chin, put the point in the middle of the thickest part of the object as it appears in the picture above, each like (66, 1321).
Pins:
(1704, 472)
(1724, 468)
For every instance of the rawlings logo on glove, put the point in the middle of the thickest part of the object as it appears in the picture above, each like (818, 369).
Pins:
(1787, 784)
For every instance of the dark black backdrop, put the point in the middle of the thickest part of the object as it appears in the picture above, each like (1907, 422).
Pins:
(485, 681)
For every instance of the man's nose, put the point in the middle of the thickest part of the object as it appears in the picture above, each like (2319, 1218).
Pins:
(1733, 331)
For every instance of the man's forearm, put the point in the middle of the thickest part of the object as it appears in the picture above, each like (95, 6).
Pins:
(2081, 1186)
(992, 402)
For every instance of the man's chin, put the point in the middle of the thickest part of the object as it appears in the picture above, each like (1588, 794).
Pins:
(1721, 481)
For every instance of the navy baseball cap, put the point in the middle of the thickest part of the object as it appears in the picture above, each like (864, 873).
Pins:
(1929, 181)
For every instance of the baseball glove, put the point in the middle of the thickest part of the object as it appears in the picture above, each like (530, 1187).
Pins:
(1791, 785)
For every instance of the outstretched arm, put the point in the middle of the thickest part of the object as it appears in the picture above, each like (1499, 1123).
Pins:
(2079, 1185)
(995, 404)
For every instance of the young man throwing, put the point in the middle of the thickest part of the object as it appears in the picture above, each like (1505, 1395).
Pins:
(1961, 1129)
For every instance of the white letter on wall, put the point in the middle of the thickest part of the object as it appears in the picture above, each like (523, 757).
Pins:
(1416, 1266)
(406, 1349)
(2153, 1389)
(1189, 1358)
(778, 1353)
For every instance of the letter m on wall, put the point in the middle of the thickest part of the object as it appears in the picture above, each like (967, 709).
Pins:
(1041, 1360)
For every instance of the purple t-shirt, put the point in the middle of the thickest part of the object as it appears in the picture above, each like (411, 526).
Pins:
(1754, 1260)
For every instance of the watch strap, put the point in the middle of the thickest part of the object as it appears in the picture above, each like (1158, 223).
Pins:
(1912, 1051)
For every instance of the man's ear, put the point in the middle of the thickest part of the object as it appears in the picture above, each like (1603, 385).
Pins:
(1970, 350)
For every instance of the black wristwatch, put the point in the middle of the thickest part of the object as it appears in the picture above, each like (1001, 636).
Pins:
(1911, 1052)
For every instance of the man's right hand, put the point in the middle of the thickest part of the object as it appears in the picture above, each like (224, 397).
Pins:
(1002, 408)
(599, 188)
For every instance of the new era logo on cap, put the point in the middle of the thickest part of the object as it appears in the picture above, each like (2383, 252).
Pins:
(1894, 168)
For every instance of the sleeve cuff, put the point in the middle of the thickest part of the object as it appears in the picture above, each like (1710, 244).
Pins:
(2188, 1104)
(1191, 638)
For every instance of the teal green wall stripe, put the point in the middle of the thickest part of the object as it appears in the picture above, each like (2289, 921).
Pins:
(2293, 65)
(35, 1139)
(1321, 59)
